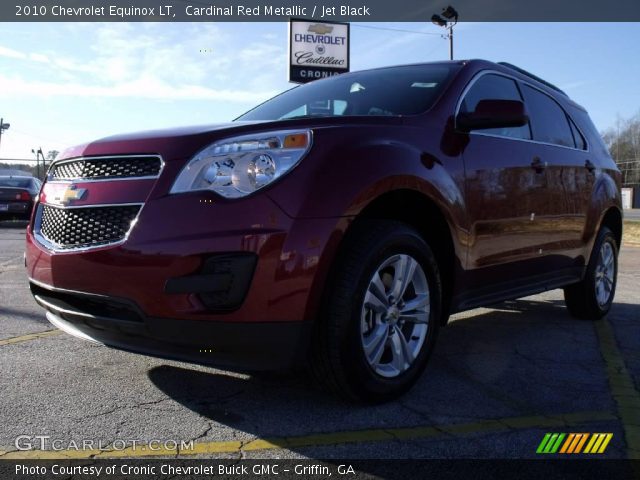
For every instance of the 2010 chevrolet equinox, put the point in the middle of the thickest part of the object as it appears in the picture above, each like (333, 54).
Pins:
(339, 223)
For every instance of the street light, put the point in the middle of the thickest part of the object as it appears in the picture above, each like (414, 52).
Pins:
(450, 19)
(3, 127)
(438, 20)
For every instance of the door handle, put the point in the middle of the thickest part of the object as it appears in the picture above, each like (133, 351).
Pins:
(538, 165)
(589, 166)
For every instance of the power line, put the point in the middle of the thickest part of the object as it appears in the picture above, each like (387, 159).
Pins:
(58, 141)
(395, 29)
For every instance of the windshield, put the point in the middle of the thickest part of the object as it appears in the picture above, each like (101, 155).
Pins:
(406, 90)
(15, 182)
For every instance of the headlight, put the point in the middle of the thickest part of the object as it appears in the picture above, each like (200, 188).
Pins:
(238, 166)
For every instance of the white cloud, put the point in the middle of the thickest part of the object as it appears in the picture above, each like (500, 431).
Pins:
(149, 61)
(576, 84)
(144, 87)
(11, 53)
(38, 57)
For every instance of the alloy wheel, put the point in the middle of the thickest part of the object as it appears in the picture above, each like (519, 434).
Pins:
(605, 273)
(395, 315)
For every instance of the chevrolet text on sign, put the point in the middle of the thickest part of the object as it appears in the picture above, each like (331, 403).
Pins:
(317, 50)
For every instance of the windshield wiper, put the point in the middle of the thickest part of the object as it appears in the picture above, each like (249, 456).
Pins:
(310, 115)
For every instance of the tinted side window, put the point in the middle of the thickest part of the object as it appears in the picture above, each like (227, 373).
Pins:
(580, 142)
(495, 87)
(591, 132)
(549, 123)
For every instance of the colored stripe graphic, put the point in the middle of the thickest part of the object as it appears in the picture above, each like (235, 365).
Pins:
(543, 443)
(605, 443)
(582, 442)
(590, 444)
(574, 443)
(577, 438)
(550, 443)
(567, 443)
(556, 445)
(598, 443)
(553, 443)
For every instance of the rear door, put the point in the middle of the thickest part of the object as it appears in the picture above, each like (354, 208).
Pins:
(561, 147)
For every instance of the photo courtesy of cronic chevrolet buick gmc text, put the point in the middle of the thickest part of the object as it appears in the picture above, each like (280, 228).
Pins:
(336, 225)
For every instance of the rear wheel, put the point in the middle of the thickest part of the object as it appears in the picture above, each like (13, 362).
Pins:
(382, 314)
(591, 299)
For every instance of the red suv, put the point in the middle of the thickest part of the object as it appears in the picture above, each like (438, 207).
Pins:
(339, 223)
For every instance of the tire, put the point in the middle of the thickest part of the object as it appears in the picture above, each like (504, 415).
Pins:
(354, 316)
(591, 299)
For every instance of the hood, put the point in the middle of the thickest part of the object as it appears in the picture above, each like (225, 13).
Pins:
(169, 142)
(184, 142)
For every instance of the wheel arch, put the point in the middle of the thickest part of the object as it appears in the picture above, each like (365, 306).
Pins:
(605, 208)
(432, 224)
(612, 219)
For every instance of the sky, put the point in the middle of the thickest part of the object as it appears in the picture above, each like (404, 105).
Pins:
(63, 84)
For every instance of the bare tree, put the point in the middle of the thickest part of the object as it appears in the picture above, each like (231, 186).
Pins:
(623, 141)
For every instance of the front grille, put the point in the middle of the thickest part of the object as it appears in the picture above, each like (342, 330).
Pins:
(106, 168)
(86, 227)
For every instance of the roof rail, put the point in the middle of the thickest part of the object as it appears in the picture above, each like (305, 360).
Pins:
(531, 75)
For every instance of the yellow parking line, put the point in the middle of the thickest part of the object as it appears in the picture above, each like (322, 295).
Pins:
(31, 336)
(622, 388)
(323, 439)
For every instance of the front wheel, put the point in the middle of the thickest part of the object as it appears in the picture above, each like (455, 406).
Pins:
(382, 315)
(591, 299)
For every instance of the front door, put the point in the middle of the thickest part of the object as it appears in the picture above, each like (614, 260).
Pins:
(504, 184)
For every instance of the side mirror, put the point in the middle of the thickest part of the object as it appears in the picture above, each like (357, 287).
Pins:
(493, 114)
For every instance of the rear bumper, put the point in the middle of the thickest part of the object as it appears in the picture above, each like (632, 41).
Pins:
(15, 209)
(245, 346)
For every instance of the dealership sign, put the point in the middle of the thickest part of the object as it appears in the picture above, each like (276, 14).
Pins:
(317, 50)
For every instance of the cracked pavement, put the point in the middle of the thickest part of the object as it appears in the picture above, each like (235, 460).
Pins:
(499, 379)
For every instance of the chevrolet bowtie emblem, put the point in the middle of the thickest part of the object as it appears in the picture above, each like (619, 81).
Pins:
(71, 193)
(320, 29)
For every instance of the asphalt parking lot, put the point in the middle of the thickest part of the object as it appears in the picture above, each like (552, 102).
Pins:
(500, 379)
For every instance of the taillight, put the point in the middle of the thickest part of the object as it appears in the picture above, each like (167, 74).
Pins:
(25, 196)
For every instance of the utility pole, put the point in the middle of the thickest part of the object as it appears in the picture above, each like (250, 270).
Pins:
(44, 164)
(37, 163)
(38, 153)
(449, 21)
(3, 127)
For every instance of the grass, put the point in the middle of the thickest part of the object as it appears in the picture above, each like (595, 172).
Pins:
(631, 233)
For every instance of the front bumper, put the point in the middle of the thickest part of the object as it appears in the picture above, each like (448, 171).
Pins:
(174, 237)
(252, 346)
(166, 290)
